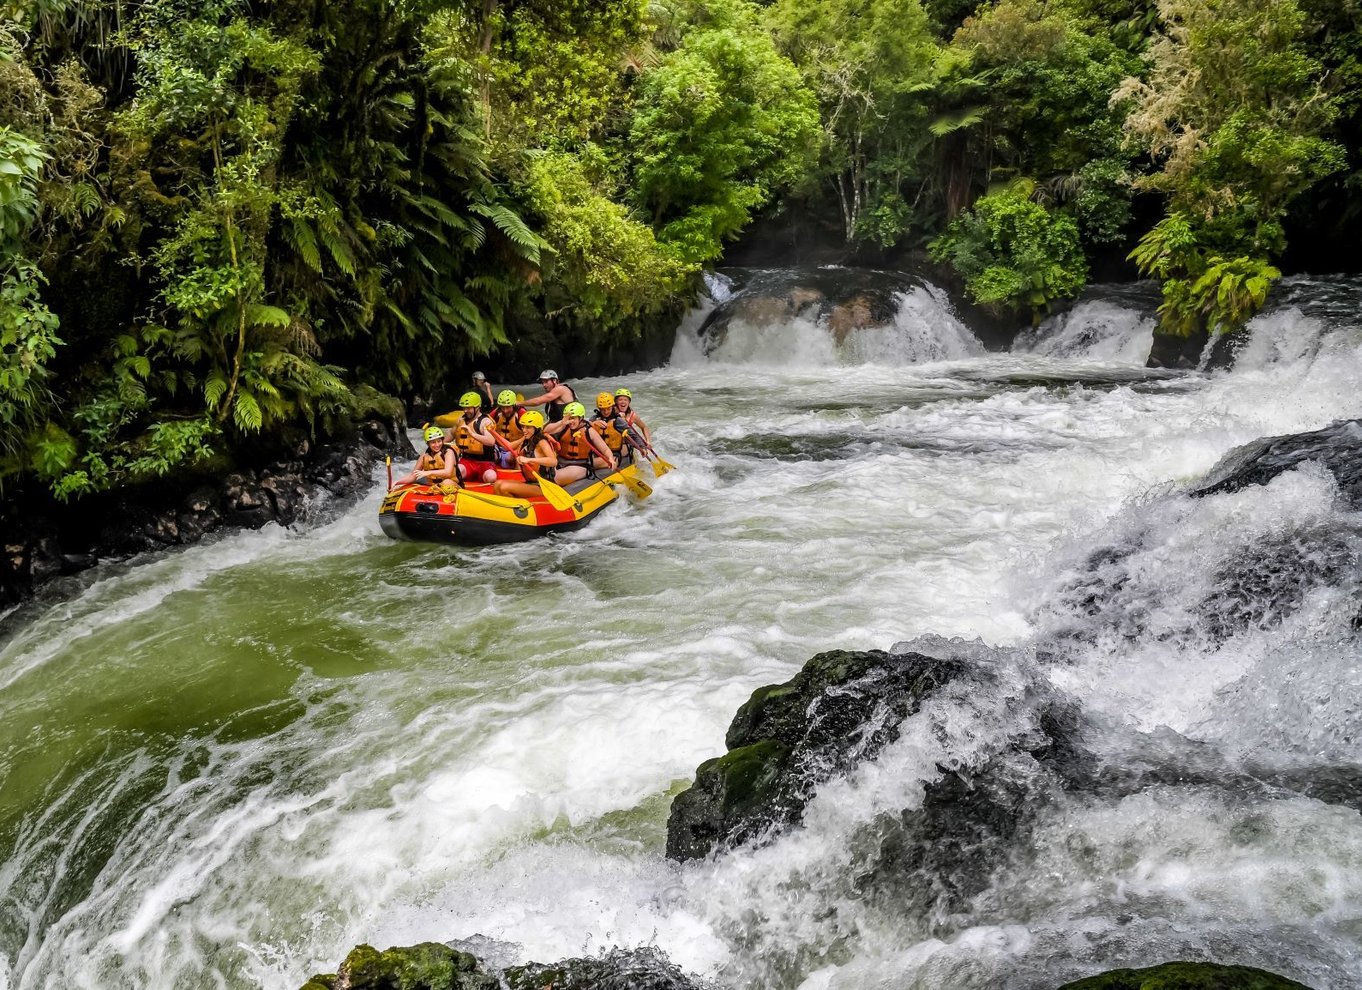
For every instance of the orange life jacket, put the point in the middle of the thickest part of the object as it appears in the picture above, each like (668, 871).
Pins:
(468, 445)
(609, 429)
(507, 421)
(575, 445)
(431, 461)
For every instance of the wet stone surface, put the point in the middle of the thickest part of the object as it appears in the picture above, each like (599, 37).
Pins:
(68, 539)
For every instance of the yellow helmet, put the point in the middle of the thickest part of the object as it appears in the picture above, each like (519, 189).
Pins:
(506, 397)
(624, 392)
(534, 419)
(433, 433)
(470, 400)
(605, 400)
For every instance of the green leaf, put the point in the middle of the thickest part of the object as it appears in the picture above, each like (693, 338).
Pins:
(272, 316)
(214, 388)
(246, 413)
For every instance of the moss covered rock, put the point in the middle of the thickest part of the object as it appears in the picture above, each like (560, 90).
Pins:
(1186, 976)
(428, 966)
(434, 966)
(842, 708)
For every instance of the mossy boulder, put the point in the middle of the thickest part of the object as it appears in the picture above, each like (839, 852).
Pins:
(434, 966)
(1186, 976)
(427, 966)
(842, 708)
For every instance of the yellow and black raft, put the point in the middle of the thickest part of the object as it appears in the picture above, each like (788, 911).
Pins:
(473, 516)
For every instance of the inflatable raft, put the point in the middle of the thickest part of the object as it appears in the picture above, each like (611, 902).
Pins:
(474, 516)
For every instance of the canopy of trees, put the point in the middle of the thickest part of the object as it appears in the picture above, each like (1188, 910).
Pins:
(219, 220)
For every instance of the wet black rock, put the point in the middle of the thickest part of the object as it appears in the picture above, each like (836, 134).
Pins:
(842, 708)
(931, 859)
(1115, 593)
(1186, 976)
(43, 540)
(1337, 447)
(435, 966)
(845, 299)
(1182, 353)
(619, 969)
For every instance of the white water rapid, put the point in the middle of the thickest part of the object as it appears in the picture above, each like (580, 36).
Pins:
(227, 766)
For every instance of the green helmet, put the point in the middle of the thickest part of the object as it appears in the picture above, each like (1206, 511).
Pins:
(506, 397)
(433, 433)
(624, 392)
(470, 400)
(574, 409)
(534, 419)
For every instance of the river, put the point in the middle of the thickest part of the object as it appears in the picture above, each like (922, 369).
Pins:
(224, 767)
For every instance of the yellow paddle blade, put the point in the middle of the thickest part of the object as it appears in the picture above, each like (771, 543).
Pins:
(638, 488)
(558, 497)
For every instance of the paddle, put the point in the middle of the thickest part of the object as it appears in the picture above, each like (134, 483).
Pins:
(558, 496)
(639, 489)
(390, 472)
(554, 494)
(660, 467)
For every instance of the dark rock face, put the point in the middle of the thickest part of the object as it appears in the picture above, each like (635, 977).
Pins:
(1262, 583)
(847, 299)
(841, 709)
(1337, 447)
(42, 541)
(930, 861)
(434, 966)
(1186, 976)
(1168, 351)
(639, 969)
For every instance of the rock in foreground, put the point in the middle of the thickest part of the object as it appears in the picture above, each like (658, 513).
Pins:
(619, 969)
(428, 966)
(1186, 976)
(841, 709)
(435, 966)
(1338, 447)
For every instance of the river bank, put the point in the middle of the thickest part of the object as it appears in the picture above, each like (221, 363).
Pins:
(45, 540)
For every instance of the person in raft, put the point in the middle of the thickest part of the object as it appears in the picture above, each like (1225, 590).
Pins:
(537, 456)
(556, 395)
(612, 428)
(506, 423)
(581, 451)
(624, 406)
(436, 463)
(483, 389)
(474, 440)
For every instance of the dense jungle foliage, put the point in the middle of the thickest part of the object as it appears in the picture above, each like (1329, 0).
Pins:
(220, 221)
